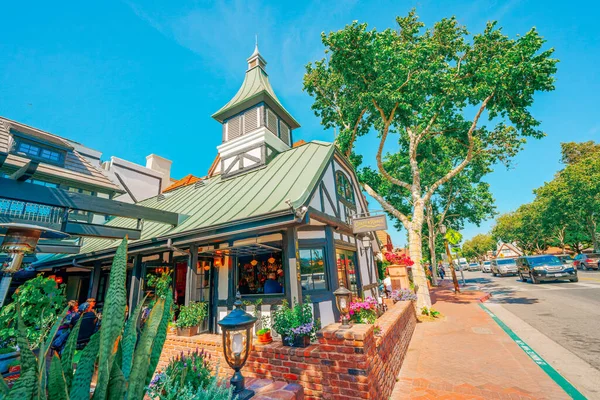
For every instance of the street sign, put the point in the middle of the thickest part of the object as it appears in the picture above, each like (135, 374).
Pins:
(369, 224)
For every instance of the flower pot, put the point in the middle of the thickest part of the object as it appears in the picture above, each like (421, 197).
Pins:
(265, 338)
(190, 331)
(298, 341)
(6, 359)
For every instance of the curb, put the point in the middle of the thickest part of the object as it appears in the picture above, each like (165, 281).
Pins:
(485, 298)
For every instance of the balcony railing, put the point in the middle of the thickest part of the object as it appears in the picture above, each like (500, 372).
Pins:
(31, 212)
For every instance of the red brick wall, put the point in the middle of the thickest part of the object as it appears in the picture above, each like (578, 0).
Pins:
(345, 363)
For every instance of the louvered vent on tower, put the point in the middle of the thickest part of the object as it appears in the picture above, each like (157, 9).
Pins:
(271, 121)
(234, 128)
(284, 132)
(250, 120)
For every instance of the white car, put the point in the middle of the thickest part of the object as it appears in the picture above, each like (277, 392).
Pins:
(474, 267)
(486, 266)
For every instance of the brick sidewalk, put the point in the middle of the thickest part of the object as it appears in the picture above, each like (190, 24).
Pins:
(467, 355)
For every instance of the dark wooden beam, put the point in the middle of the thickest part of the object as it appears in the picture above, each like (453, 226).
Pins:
(336, 223)
(25, 172)
(103, 231)
(3, 157)
(29, 192)
(57, 248)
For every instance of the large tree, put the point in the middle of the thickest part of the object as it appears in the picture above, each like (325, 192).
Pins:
(478, 246)
(430, 88)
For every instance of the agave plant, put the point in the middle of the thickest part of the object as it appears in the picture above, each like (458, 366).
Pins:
(124, 364)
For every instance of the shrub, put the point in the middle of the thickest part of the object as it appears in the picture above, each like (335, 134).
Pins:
(40, 301)
(161, 284)
(295, 321)
(192, 315)
(184, 371)
(124, 361)
(404, 295)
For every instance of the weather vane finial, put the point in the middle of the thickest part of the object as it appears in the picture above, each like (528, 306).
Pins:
(256, 40)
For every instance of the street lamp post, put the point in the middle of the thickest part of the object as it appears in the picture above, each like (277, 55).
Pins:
(342, 299)
(237, 339)
(443, 231)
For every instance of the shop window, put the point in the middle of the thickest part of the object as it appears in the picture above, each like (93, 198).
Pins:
(312, 269)
(346, 267)
(260, 274)
(344, 188)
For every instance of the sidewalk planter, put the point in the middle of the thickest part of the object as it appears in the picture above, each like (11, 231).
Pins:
(188, 331)
(296, 341)
(399, 275)
(6, 359)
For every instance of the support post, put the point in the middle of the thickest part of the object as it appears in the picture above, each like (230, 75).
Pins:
(191, 278)
(95, 280)
(293, 278)
(136, 282)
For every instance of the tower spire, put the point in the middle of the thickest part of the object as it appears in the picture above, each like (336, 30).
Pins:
(256, 59)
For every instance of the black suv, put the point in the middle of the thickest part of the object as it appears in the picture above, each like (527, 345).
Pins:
(544, 268)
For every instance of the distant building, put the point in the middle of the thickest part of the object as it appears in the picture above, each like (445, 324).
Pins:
(508, 250)
(386, 241)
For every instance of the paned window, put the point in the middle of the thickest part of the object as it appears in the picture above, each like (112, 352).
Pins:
(312, 269)
(39, 151)
(345, 189)
(260, 274)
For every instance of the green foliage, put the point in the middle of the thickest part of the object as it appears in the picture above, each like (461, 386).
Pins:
(430, 312)
(161, 284)
(286, 319)
(432, 89)
(453, 237)
(478, 246)
(215, 390)
(40, 301)
(263, 331)
(35, 383)
(191, 369)
(192, 315)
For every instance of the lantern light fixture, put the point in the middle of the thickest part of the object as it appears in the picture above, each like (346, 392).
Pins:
(237, 340)
(342, 299)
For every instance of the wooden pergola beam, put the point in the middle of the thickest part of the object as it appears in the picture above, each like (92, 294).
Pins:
(25, 172)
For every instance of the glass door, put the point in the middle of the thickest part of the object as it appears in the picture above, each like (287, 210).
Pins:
(346, 267)
(204, 289)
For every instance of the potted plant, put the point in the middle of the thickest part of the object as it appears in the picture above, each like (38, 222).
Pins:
(295, 325)
(264, 336)
(190, 317)
(363, 311)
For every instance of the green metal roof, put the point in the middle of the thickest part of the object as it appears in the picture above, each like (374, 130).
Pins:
(255, 88)
(292, 174)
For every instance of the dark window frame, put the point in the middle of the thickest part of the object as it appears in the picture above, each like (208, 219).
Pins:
(326, 277)
(343, 185)
(19, 141)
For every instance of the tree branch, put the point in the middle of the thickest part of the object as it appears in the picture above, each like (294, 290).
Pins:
(353, 137)
(387, 206)
(455, 171)
(386, 126)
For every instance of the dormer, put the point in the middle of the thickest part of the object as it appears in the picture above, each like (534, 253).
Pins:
(255, 125)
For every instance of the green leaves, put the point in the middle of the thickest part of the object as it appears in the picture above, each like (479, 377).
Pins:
(57, 385)
(80, 387)
(130, 338)
(113, 319)
(68, 353)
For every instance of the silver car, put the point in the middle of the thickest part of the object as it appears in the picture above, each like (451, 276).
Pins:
(504, 266)
(486, 266)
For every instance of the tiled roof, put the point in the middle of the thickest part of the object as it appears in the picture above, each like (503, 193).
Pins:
(186, 180)
(292, 175)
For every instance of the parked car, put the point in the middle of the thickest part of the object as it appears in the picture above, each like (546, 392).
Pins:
(566, 259)
(487, 266)
(544, 268)
(474, 267)
(586, 261)
(504, 266)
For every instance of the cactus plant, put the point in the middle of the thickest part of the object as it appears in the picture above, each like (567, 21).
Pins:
(124, 368)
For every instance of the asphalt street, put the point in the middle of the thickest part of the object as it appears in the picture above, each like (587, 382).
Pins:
(567, 313)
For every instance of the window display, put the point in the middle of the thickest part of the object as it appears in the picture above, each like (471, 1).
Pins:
(312, 269)
(347, 269)
(260, 274)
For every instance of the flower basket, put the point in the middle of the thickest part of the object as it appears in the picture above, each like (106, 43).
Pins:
(297, 341)
(189, 331)
(265, 337)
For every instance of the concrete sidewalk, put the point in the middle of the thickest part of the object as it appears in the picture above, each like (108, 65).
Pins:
(466, 355)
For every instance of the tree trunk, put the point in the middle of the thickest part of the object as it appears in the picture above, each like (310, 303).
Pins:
(415, 248)
(431, 240)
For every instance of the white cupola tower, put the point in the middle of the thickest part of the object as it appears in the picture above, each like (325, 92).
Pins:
(255, 125)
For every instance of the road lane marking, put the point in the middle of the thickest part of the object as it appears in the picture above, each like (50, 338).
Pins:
(547, 368)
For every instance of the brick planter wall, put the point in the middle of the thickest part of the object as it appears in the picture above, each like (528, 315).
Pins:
(344, 364)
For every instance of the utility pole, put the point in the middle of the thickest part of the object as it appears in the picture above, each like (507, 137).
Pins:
(449, 255)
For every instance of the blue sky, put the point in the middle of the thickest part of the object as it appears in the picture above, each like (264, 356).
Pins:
(138, 77)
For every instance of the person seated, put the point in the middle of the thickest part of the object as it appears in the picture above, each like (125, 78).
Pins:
(243, 286)
(67, 324)
(271, 284)
(88, 323)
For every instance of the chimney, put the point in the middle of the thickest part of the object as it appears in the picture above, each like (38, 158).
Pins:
(162, 165)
